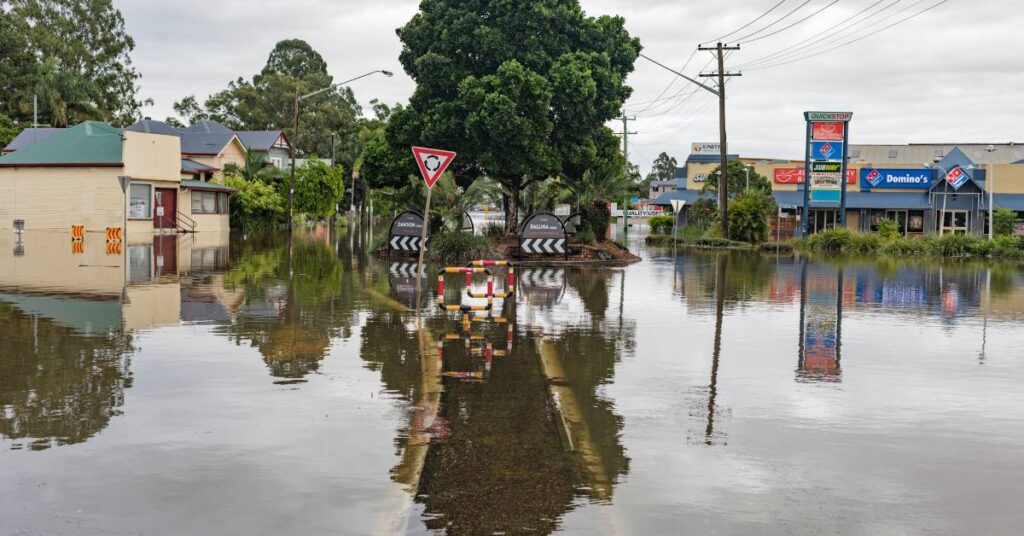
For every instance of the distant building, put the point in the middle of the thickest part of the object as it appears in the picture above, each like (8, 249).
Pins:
(272, 142)
(908, 187)
(30, 136)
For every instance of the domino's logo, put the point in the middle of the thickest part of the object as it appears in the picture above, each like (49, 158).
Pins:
(874, 178)
(826, 150)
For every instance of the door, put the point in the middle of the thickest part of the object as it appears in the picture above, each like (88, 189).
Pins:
(166, 209)
(955, 221)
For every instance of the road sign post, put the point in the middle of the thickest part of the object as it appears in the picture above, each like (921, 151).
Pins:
(432, 163)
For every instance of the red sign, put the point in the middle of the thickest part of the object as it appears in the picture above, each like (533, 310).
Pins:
(796, 176)
(827, 130)
(432, 163)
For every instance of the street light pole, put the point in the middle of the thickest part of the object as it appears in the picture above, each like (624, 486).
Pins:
(990, 184)
(295, 133)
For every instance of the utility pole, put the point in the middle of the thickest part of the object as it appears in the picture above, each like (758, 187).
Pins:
(625, 152)
(723, 178)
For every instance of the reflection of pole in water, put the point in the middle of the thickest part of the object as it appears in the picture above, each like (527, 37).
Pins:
(988, 304)
(824, 362)
(720, 273)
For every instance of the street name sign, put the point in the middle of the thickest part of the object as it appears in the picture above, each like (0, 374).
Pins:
(406, 232)
(543, 234)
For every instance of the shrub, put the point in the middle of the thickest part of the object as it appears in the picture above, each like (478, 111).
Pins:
(780, 247)
(1007, 246)
(586, 236)
(748, 217)
(865, 244)
(494, 230)
(661, 224)
(888, 229)
(905, 247)
(721, 243)
(596, 216)
(830, 240)
(703, 212)
(1005, 221)
(952, 245)
(454, 247)
(690, 232)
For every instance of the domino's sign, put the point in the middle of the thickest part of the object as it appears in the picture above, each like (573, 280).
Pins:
(895, 178)
(957, 177)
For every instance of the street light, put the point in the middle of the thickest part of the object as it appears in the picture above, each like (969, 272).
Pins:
(295, 132)
(747, 168)
(990, 184)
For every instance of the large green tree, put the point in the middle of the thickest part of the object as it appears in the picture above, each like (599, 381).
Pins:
(663, 169)
(74, 55)
(741, 179)
(328, 120)
(318, 188)
(522, 90)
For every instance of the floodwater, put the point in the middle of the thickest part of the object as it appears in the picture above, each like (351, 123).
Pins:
(201, 385)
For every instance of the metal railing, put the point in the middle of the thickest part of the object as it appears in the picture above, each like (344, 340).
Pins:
(184, 223)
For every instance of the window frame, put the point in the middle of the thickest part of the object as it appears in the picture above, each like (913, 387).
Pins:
(149, 201)
(221, 204)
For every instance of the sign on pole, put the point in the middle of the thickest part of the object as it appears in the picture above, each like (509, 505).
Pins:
(543, 234)
(825, 165)
(406, 232)
(432, 163)
(677, 205)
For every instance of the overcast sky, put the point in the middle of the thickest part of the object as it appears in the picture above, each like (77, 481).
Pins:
(953, 74)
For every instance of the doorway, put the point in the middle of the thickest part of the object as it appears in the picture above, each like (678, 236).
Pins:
(165, 213)
(823, 219)
(954, 221)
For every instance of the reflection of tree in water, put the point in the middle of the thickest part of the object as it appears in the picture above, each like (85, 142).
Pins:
(748, 278)
(502, 467)
(293, 309)
(58, 387)
(592, 286)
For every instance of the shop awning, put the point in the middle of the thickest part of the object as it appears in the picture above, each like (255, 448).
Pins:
(205, 186)
(690, 196)
(1010, 201)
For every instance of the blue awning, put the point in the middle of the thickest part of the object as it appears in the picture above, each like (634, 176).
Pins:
(690, 196)
(1010, 201)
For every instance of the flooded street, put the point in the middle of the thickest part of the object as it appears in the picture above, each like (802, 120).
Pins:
(207, 385)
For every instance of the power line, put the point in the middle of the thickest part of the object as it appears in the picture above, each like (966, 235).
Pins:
(861, 38)
(778, 20)
(761, 16)
(826, 34)
(669, 86)
(758, 38)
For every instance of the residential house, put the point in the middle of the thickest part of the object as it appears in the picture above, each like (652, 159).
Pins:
(273, 143)
(99, 176)
(30, 136)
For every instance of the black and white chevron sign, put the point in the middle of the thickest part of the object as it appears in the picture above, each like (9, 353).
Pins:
(542, 277)
(403, 269)
(541, 246)
(405, 243)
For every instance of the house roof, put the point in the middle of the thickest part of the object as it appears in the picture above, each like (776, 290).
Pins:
(30, 136)
(191, 166)
(259, 140)
(209, 127)
(89, 144)
(154, 127)
(205, 186)
(709, 158)
(205, 143)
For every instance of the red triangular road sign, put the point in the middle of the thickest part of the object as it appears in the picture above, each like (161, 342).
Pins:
(432, 163)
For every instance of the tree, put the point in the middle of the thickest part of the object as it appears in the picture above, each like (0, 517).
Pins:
(82, 58)
(328, 120)
(318, 188)
(521, 90)
(748, 216)
(8, 130)
(1005, 221)
(189, 112)
(254, 203)
(738, 180)
(663, 169)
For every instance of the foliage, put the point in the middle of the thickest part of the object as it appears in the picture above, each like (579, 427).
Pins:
(318, 188)
(661, 224)
(586, 236)
(189, 111)
(604, 185)
(73, 54)
(8, 130)
(888, 229)
(517, 110)
(748, 217)
(1005, 221)
(843, 241)
(328, 120)
(703, 213)
(254, 203)
(690, 232)
(452, 247)
(595, 216)
(737, 180)
(663, 169)
(494, 230)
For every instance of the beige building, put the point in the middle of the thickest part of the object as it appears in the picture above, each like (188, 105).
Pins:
(100, 177)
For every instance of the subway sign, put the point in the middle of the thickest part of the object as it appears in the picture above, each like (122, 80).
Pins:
(826, 167)
(895, 178)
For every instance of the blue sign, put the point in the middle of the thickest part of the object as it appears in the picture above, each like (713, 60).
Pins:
(895, 178)
(827, 150)
(826, 196)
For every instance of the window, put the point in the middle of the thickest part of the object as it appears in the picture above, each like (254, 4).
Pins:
(893, 153)
(140, 202)
(277, 162)
(209, 202)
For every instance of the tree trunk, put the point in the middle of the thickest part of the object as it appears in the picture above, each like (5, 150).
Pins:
(512, 209)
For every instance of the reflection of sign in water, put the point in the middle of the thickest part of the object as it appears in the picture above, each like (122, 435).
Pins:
(402, 277)
(542, 286)
(543, 234)
(820, 316)
(406, 232)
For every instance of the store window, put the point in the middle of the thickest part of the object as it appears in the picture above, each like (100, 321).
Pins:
(908, 221)
(140, 201)
(893, 153)
(209, 202)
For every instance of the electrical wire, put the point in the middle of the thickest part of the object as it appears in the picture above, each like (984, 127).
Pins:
(780, 30)
(861, 38)
(831, 33)
(778, 20)
(669, 86)
(745, 26)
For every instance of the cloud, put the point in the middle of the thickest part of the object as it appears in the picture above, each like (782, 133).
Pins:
(948, 75)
